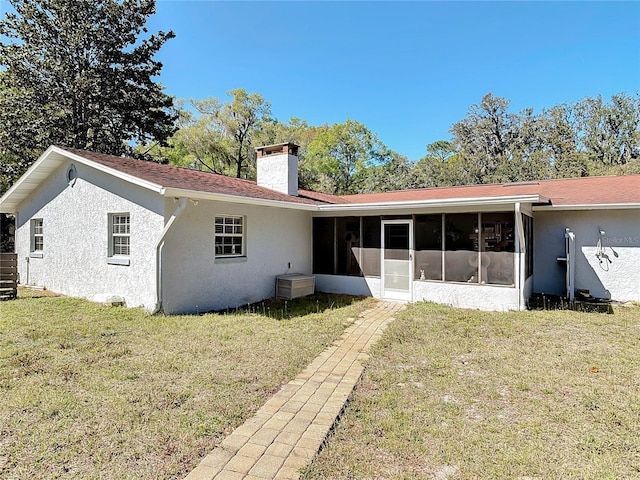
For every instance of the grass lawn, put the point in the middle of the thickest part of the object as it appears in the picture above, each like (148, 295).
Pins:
(458, 394)
(105, 392)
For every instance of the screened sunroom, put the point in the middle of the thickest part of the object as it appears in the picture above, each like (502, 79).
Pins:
(477, 258)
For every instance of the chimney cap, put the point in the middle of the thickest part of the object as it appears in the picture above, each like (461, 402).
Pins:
(278, 148)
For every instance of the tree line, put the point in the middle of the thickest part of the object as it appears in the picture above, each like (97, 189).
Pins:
(491, 144)
(80, 73)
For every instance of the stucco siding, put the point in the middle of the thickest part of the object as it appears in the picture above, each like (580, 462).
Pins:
(480, 297)
(76, 237)
(278, 172)
(195, 281)
(615, 276)
(366, 286)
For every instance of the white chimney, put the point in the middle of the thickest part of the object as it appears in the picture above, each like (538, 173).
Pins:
(277, 167)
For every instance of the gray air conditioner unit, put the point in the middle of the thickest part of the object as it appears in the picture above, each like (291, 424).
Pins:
(294, 285)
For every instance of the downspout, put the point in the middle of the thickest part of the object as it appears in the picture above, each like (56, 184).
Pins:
(522, 250)
(159, 246)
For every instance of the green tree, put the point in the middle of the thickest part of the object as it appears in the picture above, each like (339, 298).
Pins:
(181, 144)
(391, 171)
(442, 166)
(485, 138)
(339, 153)
(440, 150)
(610, 132)
(528, 155)
(78, 73)
(228, 129)
(199, 144)
(560, 138)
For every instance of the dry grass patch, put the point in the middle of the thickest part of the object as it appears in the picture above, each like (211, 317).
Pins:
(112, 393)
(458, 394)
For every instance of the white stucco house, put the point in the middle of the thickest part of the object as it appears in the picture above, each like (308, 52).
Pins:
(179, 240)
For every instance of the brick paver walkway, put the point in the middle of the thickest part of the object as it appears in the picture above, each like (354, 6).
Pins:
(286, 433)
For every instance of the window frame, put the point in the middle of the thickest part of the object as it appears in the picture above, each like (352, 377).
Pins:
(115, 254)
(37, 238)
(229, 235)
(528, 226)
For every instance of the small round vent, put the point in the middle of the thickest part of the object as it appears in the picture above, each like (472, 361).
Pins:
(71, 173)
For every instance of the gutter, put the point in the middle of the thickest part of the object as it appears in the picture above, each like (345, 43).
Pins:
(438, 203)
(159, 246)
(522, 249)
(594, 206)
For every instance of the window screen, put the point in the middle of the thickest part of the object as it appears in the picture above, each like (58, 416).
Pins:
(229, 236)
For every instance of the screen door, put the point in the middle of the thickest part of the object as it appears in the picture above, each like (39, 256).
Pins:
(397, 261)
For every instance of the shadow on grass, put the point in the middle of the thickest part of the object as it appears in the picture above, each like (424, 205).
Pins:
(281, 309)
(543, 301)
(277, 308)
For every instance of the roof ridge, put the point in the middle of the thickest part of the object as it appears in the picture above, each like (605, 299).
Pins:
(589, 177)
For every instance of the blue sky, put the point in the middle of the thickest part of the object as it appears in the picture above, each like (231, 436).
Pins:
(407, 70)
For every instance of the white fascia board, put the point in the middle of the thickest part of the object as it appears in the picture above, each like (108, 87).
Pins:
(37, 172)
(595, 206)
(439, 203)
(221, 197)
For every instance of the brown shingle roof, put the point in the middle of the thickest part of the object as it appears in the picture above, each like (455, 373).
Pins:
(323, 197)
(607, 190)
(562, 192)
(169, 176)
(592, 190)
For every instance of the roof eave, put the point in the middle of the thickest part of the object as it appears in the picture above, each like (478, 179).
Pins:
(19, 191)
(594, 206)
(437, 203)
(221, 197)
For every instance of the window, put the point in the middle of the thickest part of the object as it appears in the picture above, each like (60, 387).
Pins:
(348, 246)
(37, 235)
(323, 245)
(428, 247)
(120, 230)
(461, 247)
(458, 247)
(371, 244)
(498, 248)
(229, 236)
(477, 248)
(527, 223)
